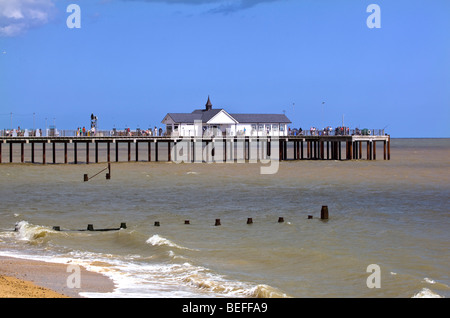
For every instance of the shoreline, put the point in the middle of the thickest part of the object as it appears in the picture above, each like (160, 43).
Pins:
(24, 278)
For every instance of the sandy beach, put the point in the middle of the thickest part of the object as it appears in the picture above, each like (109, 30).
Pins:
(21, 278)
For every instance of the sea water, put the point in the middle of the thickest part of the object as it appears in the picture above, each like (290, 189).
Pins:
(391, 213)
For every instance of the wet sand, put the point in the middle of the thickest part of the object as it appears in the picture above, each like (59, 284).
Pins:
(21, 278)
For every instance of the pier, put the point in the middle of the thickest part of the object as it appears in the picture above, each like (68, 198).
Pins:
(92, 149)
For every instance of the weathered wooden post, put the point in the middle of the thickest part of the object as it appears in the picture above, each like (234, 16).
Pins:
(217, 222)
(249, 220)
(324, 212)
(280, 219)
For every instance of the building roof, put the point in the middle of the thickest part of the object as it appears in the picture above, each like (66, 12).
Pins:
(261, 118)
(206, 114)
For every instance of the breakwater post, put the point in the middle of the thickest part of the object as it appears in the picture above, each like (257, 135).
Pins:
(324, 212)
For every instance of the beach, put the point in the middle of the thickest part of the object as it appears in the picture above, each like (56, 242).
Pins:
(22, 278)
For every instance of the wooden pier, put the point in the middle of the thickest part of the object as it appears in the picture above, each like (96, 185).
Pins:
(76, 150)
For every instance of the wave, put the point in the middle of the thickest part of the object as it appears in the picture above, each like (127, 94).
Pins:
(208, 282)
(157, 240)
(426, 293)
(30, 232)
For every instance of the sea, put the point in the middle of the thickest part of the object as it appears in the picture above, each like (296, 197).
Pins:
(387, 234)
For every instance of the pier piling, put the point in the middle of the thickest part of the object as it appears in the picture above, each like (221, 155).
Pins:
(234, 148)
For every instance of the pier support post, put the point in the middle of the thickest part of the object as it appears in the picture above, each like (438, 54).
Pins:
(108, 151)
(360, 150)
(65, 152)
(389, 148)
(87, 152)
(129, 150)
(32, 152)
(96, 151)
(301, 149)
(374, 143)
(137, 151)
(0, 152)
(168, 151)
(75, 153)
(54, 152)
(10, 152)
(43, 153)
(22, 156)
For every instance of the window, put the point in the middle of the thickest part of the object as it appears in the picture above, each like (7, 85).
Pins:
(268, 126)
(281, 127)
(261, 127)
(275, 127)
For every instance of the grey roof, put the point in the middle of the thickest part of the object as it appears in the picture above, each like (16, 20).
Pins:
(184, 117)
(261, 118)
(206, 115)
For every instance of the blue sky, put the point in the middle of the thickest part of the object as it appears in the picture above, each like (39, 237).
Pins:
(133, 61)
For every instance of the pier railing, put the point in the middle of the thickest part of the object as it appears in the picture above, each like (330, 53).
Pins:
(339, 131)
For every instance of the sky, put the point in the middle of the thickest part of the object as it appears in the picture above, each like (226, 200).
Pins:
(133, 61)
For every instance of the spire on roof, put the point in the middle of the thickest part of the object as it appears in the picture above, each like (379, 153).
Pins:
(208, 104)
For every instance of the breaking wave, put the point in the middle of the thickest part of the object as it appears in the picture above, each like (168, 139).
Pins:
(157, 240)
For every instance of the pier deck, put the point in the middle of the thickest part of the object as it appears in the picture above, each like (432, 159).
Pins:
(190, 149)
